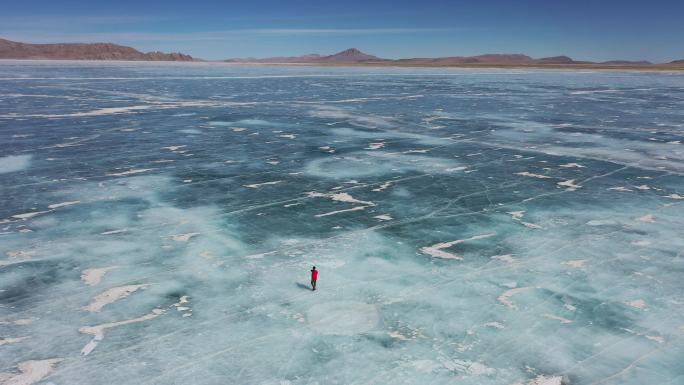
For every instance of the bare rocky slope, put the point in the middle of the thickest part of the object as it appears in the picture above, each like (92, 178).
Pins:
(82, 51)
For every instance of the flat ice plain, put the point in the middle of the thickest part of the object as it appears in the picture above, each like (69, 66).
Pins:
(158, 222)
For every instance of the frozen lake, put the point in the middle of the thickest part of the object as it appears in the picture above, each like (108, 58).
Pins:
(158, 223)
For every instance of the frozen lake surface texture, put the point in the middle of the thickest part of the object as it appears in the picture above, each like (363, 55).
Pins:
(158, 223)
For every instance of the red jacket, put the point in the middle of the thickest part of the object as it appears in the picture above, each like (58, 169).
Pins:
(314, 275)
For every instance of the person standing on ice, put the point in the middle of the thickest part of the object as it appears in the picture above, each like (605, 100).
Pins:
(314, 278)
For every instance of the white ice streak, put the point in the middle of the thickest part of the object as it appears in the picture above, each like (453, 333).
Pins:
(125, 109)
(63, 204)
(557, 318)
(257, 185)
(9, 341)
(130, 172)
(29, 215)
(120, 231)
(517, 216)
(357, 208)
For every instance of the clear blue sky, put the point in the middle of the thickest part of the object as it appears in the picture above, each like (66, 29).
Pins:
(583, 29)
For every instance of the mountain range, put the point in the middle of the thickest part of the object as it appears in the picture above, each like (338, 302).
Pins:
(82, 51)
(352, 56)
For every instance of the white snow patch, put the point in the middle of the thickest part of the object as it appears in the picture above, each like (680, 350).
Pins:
(649, 218)
(505, 298)
(505, 258)
(637, 303)
(92, 277)
(426, 366)
(495, 325)
(436, 250)
(173, 148)
(342, 317)
(575, 264)
(14, 163)
(570, 184)
(601, 222)
(531, 175)
(375, 146)
(620, 188)
(9, 341)
(339, 197)
(31, 372)
(112, 295)
(517, 215)
(382, 186)
(183, 237)
(397, 335)
(98, 331)
(543, 380)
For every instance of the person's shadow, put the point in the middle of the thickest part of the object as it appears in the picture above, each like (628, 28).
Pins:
(303, 286)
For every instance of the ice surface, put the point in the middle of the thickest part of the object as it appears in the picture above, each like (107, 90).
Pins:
(158, 223)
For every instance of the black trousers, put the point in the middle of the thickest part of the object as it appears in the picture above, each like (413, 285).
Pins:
(313, 284)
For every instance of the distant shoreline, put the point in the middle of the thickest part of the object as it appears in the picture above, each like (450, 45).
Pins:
(574, 67)
(579, 67)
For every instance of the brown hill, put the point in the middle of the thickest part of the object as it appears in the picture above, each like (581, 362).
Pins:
(555, 60)
(82, 51)
(350, 55)
(627, 62)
